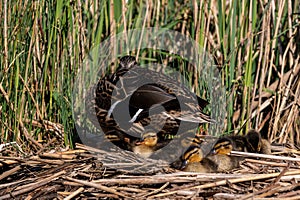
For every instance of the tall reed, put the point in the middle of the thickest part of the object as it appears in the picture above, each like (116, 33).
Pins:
(254, 44)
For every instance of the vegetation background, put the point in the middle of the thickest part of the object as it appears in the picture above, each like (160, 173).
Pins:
(255, 44)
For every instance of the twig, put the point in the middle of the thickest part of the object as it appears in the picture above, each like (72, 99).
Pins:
(222, 196)
(257, 155)
(263, 162)
(281, 174)
(31, 187)
(74, 194)
(9, 172)
(58, 156)
(237, 180)
(157, 190)
(95, 185)
(251, 195)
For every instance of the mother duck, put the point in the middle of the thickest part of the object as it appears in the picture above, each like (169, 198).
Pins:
(134, 100)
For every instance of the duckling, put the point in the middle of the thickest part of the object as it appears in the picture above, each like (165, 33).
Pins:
(146, 146)
(265, 147)
(220, 154)
(116, 93)
(226, 144)
(212, 163)
(216, 161)
(251, 142)
(193, 154)
(193, 161)
(256, 144)
(206, 166)
(223, 146)
(192, 141)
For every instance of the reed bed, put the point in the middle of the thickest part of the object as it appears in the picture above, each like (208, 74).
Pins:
(80, 173)
(254, 44)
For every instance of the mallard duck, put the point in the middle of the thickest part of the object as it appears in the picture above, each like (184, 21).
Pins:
(132, 98)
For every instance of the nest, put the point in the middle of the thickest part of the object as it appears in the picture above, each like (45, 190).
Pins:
(81, 174)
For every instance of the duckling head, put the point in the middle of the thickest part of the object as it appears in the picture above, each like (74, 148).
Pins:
(146, 146)
(223, 146)
(149, 139)
(192, 155)
(192, 141)
(253, 139)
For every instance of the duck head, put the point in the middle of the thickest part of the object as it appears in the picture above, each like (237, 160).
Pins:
(127, 62)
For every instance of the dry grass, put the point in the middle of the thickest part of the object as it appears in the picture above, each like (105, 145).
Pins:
(79, 174)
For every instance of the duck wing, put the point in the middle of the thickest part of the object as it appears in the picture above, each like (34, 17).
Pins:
(148, 95)
(201, 102)
(148, 100)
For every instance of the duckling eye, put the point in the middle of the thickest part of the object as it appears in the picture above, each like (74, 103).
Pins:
(213, 151)
(183, 164)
